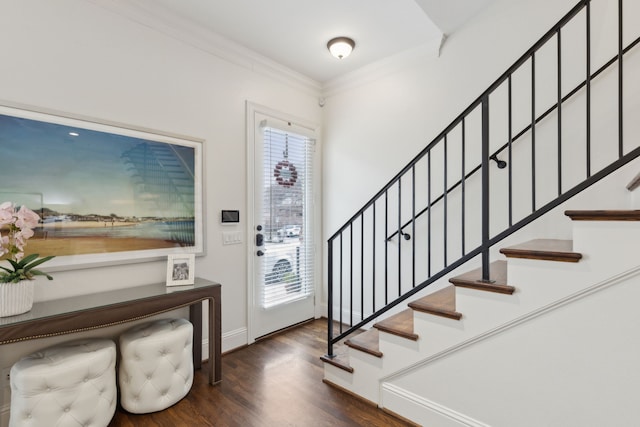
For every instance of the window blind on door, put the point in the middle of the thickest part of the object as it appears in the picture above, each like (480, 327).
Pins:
(287, 217)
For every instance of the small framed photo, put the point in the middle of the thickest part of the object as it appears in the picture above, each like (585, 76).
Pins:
(181, 269)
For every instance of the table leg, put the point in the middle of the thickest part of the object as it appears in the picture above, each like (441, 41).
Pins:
(215, 339)
(195, 316)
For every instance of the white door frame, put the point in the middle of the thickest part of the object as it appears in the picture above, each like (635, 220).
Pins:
(251, 110)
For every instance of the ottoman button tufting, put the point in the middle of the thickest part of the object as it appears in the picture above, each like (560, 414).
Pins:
(63, 367)
(156, 347)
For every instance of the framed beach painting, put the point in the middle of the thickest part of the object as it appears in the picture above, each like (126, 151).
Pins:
(105, 192)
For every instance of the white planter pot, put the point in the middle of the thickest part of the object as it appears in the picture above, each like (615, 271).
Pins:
(16, 298)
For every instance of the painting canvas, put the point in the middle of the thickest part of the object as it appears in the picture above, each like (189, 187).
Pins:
(105, 193)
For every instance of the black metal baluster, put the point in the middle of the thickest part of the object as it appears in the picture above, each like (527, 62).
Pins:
(429, 213)
(445, 201)
(620, 82)
(533, 132)
(413, 226)
(462, 189)
(362, 266)
(330, 300)
(386, 248)
(588, 83)
(341, 282)
(559, 61)
(485, 189)
(351, 274)
(510, 142)
(373, 262)
(400, 236)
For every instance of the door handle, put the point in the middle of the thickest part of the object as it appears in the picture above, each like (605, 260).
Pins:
(260, 253)
(259, 239)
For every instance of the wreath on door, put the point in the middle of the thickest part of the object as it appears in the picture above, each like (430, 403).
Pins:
(285, 172)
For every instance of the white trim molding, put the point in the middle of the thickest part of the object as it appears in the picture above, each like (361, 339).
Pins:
(233, 339)
(164, 22)
(414, 404)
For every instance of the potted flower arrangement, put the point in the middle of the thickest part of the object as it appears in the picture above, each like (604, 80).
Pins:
(16, 280)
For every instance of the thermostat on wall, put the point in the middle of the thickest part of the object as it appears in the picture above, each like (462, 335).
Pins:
(230, 216)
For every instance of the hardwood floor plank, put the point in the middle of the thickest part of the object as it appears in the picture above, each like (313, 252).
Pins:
(274, 382)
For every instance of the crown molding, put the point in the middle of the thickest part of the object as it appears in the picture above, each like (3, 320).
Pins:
(159, 19)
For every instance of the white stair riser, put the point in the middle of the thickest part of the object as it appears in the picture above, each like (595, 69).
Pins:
(338, 376)
(437, 333)
(615, 245)
(367, 371)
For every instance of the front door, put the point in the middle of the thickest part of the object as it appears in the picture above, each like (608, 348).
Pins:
(282, 259)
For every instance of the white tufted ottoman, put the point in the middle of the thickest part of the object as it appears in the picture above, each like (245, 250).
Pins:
(68, 385)
(156, 366)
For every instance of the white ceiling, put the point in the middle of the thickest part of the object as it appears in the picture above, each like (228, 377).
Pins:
(294, 33)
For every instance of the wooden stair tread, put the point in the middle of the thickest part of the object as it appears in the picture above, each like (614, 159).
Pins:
(340, 358)
(367, 342)
(440, 303)
(400, 324)
(497, 274)
(544, 249)
(604, 215)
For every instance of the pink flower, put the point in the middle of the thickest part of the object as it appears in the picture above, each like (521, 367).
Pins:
(25, 234)
(6, 213)
(26, 218)
(20, 226)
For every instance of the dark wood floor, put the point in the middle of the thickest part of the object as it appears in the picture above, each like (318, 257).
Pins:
(274, 382)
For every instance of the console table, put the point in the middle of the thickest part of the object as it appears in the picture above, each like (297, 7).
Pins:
(86, 312)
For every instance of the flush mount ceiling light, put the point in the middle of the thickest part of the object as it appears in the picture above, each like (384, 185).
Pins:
(341, 47)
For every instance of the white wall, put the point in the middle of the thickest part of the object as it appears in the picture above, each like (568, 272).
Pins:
(80, 58)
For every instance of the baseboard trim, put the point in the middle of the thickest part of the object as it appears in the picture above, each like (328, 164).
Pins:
(234, 339)
(369, 402)
(350, 393)
(422, 405)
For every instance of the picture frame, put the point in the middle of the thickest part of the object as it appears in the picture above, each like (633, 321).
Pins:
(107, 193)
(181, 269)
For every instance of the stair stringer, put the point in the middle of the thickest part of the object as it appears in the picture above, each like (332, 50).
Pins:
(577, 345)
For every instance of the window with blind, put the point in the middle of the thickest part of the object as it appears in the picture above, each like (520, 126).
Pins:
(287, 217)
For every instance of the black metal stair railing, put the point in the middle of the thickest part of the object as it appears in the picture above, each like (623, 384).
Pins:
(421, 230)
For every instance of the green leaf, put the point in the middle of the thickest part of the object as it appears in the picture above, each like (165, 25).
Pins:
(38, 262)
(26, 260)
(40, 273)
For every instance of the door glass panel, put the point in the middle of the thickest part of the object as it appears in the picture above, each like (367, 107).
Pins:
(287, 264)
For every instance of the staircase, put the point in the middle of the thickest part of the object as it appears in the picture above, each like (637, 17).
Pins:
(537, 276)
(435, 267)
